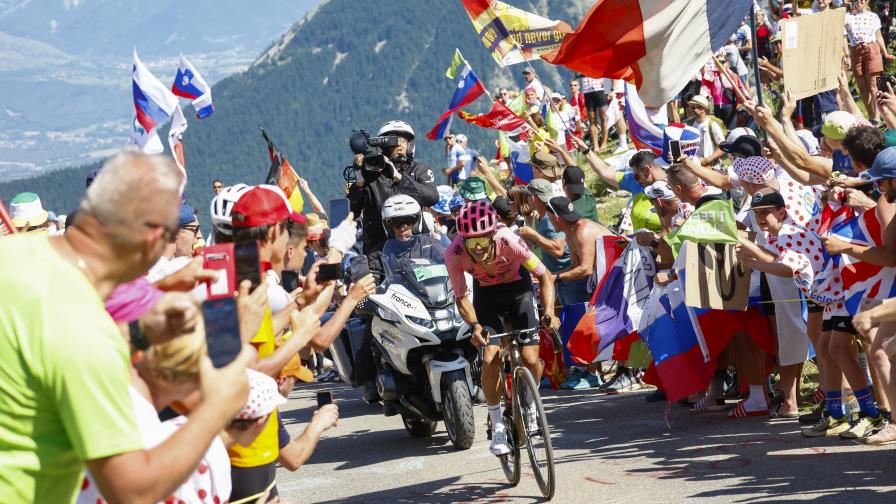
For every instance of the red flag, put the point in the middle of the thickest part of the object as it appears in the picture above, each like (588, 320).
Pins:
(499, 117)
(554, 369)
(599, 48)
(583, 342)
(6, 227)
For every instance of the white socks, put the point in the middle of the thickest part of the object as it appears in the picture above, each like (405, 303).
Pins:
(756, 400)
(494, 414)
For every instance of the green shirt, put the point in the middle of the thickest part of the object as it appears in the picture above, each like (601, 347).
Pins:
(64, 375)
(585, 206)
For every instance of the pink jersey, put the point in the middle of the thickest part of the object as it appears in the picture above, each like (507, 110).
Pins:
(511, 252)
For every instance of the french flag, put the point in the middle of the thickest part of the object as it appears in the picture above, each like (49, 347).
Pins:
(517, 156)
(862, 280)
(153, 102)
(469, 88)
(659, 43)
(645, 134)
(189, 84)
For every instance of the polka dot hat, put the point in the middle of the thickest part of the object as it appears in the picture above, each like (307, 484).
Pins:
(264, 396)
(754, 169)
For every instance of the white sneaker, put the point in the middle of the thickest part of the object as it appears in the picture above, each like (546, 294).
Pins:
(621, 149)
(499, 442)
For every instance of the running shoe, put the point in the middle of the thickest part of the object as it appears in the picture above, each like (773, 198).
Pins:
(612, 381)
(863, 428)
(499, 442)
(885, 436)
(827, 426)
(594, 381)
(575, 376)
(624, 383)
(813, 416)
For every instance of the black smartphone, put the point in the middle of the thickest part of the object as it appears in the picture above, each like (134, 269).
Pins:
(338, 211)
(289, 280)
(324, 398)
(222, 330)
(675, 150)
(329, 272)
(248, 264)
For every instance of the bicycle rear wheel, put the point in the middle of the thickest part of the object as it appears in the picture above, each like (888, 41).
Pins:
(533, 429)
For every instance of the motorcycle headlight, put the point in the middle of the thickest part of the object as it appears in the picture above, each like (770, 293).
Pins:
(386, 314)
(421, 322)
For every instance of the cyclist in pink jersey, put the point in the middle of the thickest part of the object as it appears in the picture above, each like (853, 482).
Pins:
(501, 265)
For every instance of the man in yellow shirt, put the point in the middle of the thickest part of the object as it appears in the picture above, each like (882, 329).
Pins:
(64, 366)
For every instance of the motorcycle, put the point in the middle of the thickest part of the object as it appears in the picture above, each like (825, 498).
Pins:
(423, 350)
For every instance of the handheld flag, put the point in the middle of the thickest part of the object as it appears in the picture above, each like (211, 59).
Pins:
(645, 134)
(513, 35)
(147, 141)
(499, 117)
(153, 102)
(283, 175)
(188, 83)
(457, 61)
(713, 223)
(658, 43)
(862, 280)
(518, 155)
(175, 141)
(469, 88)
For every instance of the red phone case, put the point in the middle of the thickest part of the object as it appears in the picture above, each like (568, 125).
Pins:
(220, 257)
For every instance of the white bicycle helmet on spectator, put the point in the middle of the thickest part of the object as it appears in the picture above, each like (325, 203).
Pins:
(223, 203)
(401, 205)
(402, 129)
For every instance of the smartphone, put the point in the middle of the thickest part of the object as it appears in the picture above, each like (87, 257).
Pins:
(220, 259)
(329, 272)
(247, 263)
(675, 150)
(289, 280)
(338, 211)
(324, 398)
(222, 330)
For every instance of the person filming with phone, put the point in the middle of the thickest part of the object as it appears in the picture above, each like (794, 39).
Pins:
(385, 166)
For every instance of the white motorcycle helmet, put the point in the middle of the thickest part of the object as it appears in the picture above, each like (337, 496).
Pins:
(222, 204)
(402, 129)
(401, 205)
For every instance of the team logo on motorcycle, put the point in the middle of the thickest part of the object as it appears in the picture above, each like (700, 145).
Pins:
(398, 299)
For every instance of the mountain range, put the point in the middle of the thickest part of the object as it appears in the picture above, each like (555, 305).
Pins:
(346, 65)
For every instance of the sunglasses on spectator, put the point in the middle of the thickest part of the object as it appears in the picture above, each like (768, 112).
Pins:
(478, 241)
(191, 229)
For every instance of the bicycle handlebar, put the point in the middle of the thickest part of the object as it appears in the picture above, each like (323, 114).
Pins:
(555, 337)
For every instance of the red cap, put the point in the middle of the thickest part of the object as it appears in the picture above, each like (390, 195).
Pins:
(263, 205)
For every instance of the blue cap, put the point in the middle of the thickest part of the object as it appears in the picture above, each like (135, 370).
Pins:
(187, 215)
(884, 166)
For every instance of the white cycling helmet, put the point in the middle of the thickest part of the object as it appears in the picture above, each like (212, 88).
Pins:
(402, 205)
(223, 203)
(402, 129)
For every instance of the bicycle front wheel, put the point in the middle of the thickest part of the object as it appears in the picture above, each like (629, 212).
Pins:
(533, 429)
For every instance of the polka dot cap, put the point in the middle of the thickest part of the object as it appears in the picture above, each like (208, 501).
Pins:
(264, 397)
(754, 169)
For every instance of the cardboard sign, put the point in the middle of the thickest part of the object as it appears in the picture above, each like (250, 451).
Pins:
(813, 47)
(714, 278)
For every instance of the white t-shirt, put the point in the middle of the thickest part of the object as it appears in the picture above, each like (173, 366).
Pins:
(710, 137)
(278, 298)
(862, 28)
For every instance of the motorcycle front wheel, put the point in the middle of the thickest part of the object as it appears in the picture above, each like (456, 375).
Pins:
(457, 407)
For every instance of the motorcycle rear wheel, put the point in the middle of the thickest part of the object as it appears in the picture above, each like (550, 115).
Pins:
(419, 427)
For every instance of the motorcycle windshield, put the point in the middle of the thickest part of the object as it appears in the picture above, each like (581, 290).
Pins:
(427, 280)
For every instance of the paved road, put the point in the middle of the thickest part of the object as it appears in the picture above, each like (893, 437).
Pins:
(607, 447)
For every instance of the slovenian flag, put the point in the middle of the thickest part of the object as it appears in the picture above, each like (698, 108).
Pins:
(153, 102)
(189, 84)
(659, 43)
(469, 88)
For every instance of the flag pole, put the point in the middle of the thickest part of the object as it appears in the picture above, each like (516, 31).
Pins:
(550, 103)
(755, 51)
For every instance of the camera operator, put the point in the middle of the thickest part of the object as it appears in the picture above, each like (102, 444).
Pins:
(381, 175)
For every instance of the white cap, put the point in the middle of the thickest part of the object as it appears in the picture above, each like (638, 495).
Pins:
(556, 95)
(739, 132)
(460, 137)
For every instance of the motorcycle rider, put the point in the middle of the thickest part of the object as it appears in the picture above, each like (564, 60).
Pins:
(402, 174)
(403, 218)
(500, 263)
